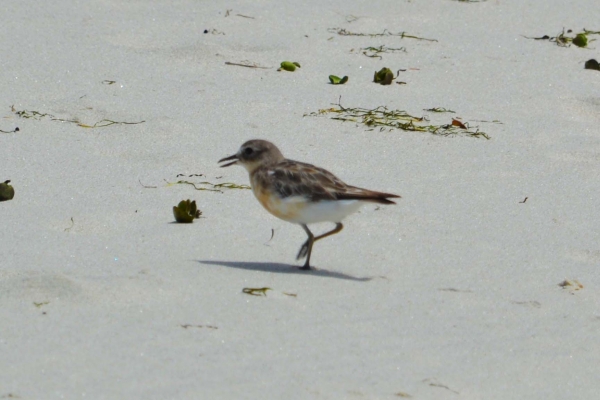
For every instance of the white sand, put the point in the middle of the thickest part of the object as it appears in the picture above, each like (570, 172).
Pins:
(451, 294)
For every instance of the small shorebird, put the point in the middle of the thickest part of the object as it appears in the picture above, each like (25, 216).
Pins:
(300, 193)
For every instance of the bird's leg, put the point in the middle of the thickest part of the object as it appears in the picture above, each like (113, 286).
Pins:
(306, 248)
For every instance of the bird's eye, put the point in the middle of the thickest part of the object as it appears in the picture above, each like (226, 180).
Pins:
(248, 151)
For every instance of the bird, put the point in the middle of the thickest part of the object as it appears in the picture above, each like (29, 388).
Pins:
(300, 193)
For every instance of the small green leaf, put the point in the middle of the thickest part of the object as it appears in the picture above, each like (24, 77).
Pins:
(336, 80)
(7, 192)
(289, 66)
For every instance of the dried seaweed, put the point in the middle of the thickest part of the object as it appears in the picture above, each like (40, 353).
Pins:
(13, 131)
(256, 291)
(100, 124)
(344, 32)
(72, 225)
(375, 52)
(383, 118)
(439, 110)
(564, 40)
(245, 63)
(213, 187)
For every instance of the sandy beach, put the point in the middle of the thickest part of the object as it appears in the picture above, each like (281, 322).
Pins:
(481, 283)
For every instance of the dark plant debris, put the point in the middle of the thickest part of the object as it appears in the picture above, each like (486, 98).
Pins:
(72, 225)
(439, 110)
(383, 118)
(7, 192)
(288, 66)
(589, 64)
(344, 32)
(108, 82)
(385, 76)
(13, 131)
(524, 200)
(214, 32)
(256, 291)
(246, 63)
(146, 186)
(100, 124)
(186, 211)
(214, 187)
(571, 284)
(336, 80)
(375, 52)
(565, 39)
(185, 326)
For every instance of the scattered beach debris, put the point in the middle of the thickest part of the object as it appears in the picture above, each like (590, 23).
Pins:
(214, 187)
(102, 123)
(26, 114)
(186, 211)
(146, 186)
(524, 200)
(458, 123)
(403, 394)
(290, 294)
(185, 326)
(439, 110)
(246, 63)
(455, 290)
(344, 32)
(271, 238)
(43, 303)
(564, 40)
(214, 32)
(108, 82)
(288, 66)
(256, 291)
(336, 80)
(375, 52)
(589, 64)
(434, 383)
(531, 303)
(244, 16)
(72, 225)
(7, 192)
(13, 131)
(383, 118)
(571, 284)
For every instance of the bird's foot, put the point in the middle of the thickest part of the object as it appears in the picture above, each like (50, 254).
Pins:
(305, 268)
(303, 251)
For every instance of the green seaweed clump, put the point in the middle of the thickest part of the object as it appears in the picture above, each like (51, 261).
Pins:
(7, 192)
(385, 76)
(336, 80)
(289, 66)
(186, 211)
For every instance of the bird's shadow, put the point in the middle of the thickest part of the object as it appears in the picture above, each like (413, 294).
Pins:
(280, 268)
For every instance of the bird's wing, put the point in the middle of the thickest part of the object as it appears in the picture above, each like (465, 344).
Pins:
(293, 178)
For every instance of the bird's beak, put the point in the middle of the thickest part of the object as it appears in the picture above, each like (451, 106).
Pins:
(233, 157)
